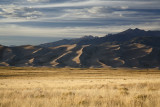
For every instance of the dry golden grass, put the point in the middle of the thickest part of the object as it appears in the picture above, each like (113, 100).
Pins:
(68, 87)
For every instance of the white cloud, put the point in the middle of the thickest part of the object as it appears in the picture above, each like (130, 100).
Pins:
(18, 12)
(38, 1)
(94, 10)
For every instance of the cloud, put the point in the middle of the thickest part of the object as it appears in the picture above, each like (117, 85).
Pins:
(76, 17)
(33, 1)
(13, 11)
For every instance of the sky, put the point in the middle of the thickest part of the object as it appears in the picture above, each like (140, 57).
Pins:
(76, 18)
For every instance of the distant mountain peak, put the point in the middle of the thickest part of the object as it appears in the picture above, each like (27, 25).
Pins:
(137, 29)
(133, 30)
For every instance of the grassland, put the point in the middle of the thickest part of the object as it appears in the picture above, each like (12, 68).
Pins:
(68, 87)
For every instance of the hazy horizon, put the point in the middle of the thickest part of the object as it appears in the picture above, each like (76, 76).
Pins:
(26, 40)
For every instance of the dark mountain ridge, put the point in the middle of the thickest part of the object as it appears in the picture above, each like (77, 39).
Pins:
(119, 37)
(130, 48)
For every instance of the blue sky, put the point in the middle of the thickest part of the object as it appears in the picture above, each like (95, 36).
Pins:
(76, 18)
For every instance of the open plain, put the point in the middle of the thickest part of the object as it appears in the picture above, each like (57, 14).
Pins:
(79, 87)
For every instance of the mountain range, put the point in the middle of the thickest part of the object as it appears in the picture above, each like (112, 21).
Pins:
(130, 48)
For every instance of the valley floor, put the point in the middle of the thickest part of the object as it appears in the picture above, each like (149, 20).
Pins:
(73, 87)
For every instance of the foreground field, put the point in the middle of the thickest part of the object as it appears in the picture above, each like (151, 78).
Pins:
(50, 87)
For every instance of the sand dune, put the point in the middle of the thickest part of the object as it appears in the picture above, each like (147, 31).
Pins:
(55, 63)
(148, 50)
(102, 64)
(68, 50)
(120, 60)
(4, 64)
(112, 46)
(139, 45)
(29, 47)
(69, 47)
(31, 61)
(143, 48)
(79, 53)
(37, 50)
